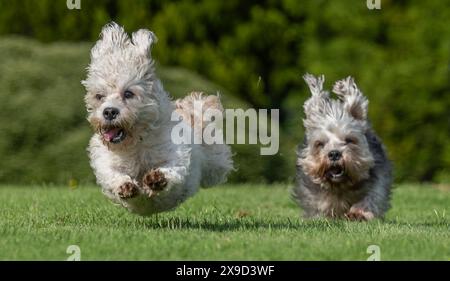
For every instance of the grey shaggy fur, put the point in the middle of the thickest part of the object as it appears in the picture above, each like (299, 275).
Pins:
(356, 186)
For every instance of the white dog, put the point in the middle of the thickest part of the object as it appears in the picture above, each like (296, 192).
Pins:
(132, 154)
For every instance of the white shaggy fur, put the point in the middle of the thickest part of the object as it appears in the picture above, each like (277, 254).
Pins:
(132, 155)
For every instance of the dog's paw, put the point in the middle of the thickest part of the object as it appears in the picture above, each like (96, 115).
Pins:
(154, 181)
(127, 190)
(358, 214)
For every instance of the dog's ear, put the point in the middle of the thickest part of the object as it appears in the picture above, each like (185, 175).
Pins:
(317, 104)
(112, 36)
(315, 85)
(353, 99)
(143, 40)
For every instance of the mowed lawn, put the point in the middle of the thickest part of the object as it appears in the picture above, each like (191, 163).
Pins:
(233, 222)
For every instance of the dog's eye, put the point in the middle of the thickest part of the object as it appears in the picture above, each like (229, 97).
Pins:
(318, 144)
(349, 140)
(128, 94)
(99, 97)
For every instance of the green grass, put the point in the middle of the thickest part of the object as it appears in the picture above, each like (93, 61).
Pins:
(222, 223)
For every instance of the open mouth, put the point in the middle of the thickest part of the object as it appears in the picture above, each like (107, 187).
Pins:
(114, 134)
(335, 172)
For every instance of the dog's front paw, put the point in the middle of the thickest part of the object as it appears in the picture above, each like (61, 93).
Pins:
(127, 190)
(358, 214)
(154, 181)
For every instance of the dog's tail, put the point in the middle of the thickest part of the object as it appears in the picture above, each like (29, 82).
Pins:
(198, 110)
(194, 107)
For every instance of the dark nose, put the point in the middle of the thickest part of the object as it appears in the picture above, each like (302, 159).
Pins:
(334, 155)
(110, 113)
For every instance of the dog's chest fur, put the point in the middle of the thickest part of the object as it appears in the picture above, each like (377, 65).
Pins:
(136, 163)
(337, 200)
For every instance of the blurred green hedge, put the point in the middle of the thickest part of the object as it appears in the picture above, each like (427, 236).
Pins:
(44, 133)
(257, 50)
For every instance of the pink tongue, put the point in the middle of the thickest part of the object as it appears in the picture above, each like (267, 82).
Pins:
(111, 134)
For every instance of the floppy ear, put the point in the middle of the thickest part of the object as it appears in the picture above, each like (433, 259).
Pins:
(143, 39)
(353, 99)
(112, 36)
(318, 102)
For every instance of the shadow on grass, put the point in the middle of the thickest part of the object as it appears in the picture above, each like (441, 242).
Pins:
(226, 224)
(440, 223)
(249, 224)
(233, 224)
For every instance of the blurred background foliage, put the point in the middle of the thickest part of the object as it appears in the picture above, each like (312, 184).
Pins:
(253, 52)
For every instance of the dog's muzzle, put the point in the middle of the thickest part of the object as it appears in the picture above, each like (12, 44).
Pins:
(110, 113)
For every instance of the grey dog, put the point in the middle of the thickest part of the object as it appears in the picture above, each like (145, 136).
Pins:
(342, 167)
